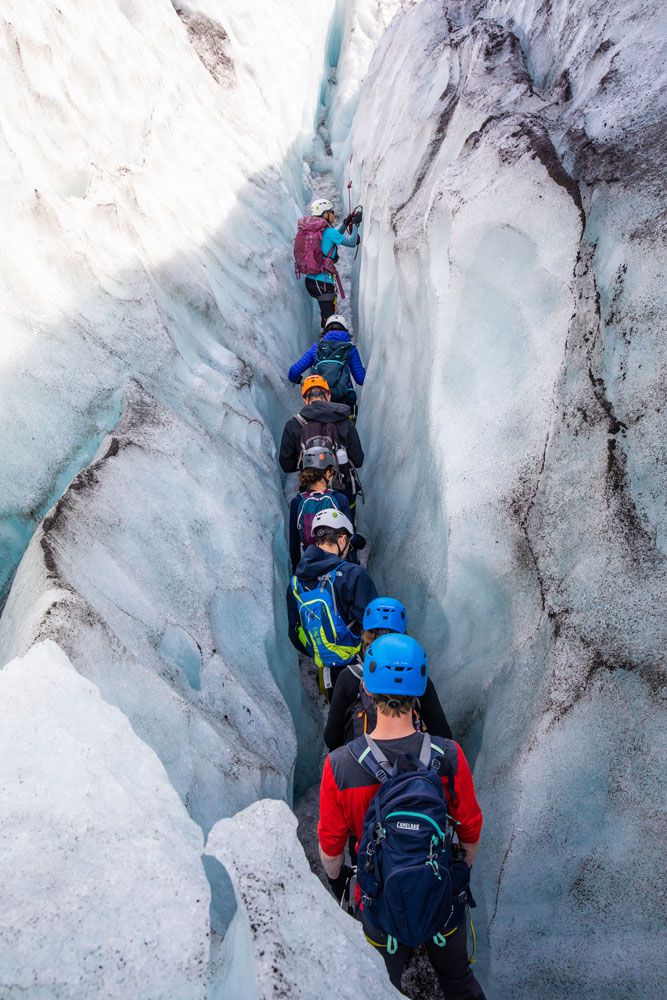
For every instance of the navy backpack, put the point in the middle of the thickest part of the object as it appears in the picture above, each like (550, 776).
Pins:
(412, 879)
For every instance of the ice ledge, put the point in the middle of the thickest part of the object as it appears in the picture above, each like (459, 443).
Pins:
(104, 893)
(288, 937)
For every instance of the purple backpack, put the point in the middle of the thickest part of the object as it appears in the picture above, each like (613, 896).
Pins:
(310, 504)
(308, 256)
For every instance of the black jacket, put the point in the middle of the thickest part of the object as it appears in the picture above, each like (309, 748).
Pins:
(345, 700)
(353, 589)
(327, 413)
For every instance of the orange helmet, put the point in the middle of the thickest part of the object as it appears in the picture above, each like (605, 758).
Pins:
(314, 382)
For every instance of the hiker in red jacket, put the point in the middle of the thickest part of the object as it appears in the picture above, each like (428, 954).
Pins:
(395, 673)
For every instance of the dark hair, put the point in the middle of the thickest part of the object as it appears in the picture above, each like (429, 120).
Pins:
(329, 534)
(308, 478)
(394, 705)
(316, 393)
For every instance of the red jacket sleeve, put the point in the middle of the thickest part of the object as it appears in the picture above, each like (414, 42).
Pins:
(465, 808)
(332, 829)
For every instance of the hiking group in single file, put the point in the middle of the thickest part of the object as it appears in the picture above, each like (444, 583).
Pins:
(397, 792)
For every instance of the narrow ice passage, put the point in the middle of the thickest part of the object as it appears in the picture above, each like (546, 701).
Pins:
(507, 301)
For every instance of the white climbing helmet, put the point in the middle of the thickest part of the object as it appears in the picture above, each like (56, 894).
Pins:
(320, 206)
(336, 319)
(332, 520)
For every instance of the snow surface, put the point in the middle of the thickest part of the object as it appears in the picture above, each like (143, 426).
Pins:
(148, 292)
(103, 891)
(510, 306)
(288, 937)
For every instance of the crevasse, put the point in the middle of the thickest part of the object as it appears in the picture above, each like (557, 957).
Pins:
(508, 301)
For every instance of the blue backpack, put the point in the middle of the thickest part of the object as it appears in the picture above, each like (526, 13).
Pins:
(414, 886)
(323, 632)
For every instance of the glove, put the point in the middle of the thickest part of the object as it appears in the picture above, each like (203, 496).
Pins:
(339, 884)
(357, 216)
(348, 220)
(358, 542)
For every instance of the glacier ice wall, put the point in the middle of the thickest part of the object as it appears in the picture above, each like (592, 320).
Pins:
(103, 891)
(510, 303)
(289, 938)
(152, 157)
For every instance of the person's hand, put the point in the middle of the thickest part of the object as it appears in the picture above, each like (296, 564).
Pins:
(358, 542)
(339, 884)
(348, 221)
(357, 216)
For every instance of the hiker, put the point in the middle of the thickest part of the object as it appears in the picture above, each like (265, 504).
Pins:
(315, 494)
(393, 789)
(336, 359)
(352, 711)
(324, 424)
(326, 598)
(316, 252)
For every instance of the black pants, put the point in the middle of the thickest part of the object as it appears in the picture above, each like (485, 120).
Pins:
(450, 964)
(325, 293)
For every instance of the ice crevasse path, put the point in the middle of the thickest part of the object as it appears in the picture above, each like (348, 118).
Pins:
(152, 156)
(509, 161)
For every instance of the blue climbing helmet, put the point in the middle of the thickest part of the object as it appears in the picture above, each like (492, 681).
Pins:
(386, 612)
(396, 664)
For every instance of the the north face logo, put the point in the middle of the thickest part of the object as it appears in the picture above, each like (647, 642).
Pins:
(408, 826)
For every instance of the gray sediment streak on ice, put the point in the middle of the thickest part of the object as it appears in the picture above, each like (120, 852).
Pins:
(160, 275)
(510, 288)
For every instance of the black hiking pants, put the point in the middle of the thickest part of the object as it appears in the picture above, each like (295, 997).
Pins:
(325, 293)
(450, 964)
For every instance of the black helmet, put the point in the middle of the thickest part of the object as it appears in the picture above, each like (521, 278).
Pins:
(318, 458)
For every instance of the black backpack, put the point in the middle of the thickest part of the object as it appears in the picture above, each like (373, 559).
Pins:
(361, 715)
(333, 364)
(319, 434)
(413, 879)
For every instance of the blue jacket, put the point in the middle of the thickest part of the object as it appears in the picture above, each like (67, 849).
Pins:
(308, 359)
(353, 588)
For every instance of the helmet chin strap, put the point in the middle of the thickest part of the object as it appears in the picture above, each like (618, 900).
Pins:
(341, 554)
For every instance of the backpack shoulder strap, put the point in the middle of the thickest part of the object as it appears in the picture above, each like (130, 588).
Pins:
(427, 756)
(367, 753)
(300, 419)
(357, 669)
(444, 758)
(330, 575)
(330, 578)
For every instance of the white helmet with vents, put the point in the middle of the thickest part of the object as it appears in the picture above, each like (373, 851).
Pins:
(332, 520)
(320, 206)
(336, 320)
